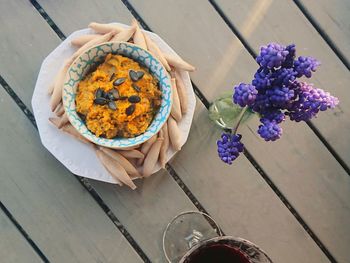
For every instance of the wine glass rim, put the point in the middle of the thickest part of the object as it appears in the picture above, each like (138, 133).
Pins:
(217, 228)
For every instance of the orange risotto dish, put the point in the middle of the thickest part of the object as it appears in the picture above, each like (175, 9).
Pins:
(118, 99)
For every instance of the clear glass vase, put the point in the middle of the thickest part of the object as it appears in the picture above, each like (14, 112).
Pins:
(224, 113)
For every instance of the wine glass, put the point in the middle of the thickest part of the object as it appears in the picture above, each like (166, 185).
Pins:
(192, 234)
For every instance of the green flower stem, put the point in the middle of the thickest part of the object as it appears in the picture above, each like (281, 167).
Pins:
(239, 120)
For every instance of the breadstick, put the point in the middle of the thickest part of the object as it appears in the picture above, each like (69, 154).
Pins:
(63, 121)
(181, 91)
(68, 128)
(105, 28)
(129, 168)
(165, 146)
(59, 111)
(146, 146)
(81, 40)
(174, 134)
(51, 88)
(124, 35)
(96, 41)
(115, 169)
(132, 154)
(152, 157)
(178, 62)
(54, 121)
(176, 107)
(57, 91)
(151, 46)
(138, 37)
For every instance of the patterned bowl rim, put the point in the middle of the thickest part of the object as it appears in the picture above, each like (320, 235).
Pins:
(123, 143)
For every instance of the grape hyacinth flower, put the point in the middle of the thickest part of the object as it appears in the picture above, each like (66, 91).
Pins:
(288, 63)
(262, 79)
(283, 76)
(272, 55)
(269, 130)
(262, 103)
(304, 66)
(276, 93)
(274, 115)
(280, 96)
(229, 147)
(311, 100)
(244, 94)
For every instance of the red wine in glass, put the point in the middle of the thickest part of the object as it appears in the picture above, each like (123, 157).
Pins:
(217, 253)
(190, 238)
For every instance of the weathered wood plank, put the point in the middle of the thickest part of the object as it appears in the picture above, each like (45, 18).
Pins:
(127, 209)
(333, 18)
(241, 197)
(73, 15)
(13, 247)
(54, 208)
(282, 21)
(261, 22)
(18, 39)
(205, 40)
(146, 211)
(50, 203)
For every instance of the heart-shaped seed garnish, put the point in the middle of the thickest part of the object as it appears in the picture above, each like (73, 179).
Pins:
(133, 75)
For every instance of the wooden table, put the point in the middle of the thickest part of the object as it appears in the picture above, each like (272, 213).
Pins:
(291, 197)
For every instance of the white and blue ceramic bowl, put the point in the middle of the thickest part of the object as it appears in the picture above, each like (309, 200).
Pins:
(93, 57)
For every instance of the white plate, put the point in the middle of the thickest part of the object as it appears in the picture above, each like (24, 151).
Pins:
(79, 158)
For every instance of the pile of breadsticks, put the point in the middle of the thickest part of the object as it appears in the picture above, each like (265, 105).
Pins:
(139, 161)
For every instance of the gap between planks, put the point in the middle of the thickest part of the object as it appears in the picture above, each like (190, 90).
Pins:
(81, 180)
(266, 178)
(206, 103)
(323, 34)
(23, 233)
(169, 169)
(254, 55)
(85, 183)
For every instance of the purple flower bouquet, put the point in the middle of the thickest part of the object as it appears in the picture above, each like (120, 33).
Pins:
(275, 94)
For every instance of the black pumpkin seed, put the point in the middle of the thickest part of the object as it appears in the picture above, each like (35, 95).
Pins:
(98, 93)
(112, 77)
(105, 95)
(130, 110)
(113, 94)
(133, 75)
(100, 101)
(135, 87)
(119, 81)
(140, 74)
(134, 99)
(112, 105)
(110, 96)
